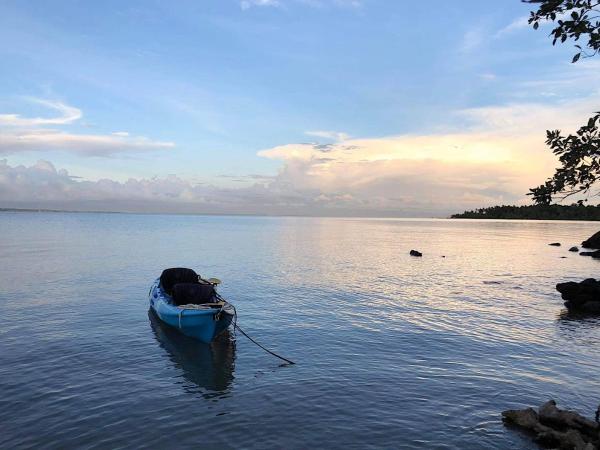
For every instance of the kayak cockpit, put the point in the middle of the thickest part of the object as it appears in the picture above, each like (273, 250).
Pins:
(184, 287)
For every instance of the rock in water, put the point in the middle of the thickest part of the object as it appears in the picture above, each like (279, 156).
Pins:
(592, 242)
(525, 418)
(556, 428)
(595, 254)
(415, 253)
(590, 307)
(551, 416)
(584, 296)
(555, 244)
(573, 249)
(568, 440)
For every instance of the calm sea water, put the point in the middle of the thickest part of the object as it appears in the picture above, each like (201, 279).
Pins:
(392, 351)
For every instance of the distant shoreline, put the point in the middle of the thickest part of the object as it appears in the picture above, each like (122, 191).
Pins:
(209, 214)
(473, 215)
(44, 210)
(534, 212)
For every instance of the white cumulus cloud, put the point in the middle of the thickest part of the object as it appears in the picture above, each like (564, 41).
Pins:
(494, 157)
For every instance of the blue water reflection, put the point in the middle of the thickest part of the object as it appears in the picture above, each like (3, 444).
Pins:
(208, 369)
(392, 351)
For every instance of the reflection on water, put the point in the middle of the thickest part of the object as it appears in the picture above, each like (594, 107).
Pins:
(392, 351)
(209, 367)
(579, 326)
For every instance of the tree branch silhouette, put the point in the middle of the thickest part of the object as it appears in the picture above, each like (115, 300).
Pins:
(579, 153)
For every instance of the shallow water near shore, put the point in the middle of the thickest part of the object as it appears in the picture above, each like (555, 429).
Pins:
(392, 351)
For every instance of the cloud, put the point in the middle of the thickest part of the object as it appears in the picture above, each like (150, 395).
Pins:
(338, 3)
(351, 3)
(42, 140)
(496, 157)
(248, 178)
(521, 23)
(43, 186)
(488, 76)
(418, 175)
(395, 187)
(68, 114)
(246, 4)
(472, 40)
(333, 135)
(30, 134)
(492, 156)
(517, 24)
(528, 120)
(568, 80)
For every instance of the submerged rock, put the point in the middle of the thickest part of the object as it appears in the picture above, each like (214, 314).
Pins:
(555, 244)
(556, 428)
(573, 249)
(415, 253)
(592, 242)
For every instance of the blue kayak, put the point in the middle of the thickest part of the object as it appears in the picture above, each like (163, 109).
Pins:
(191, 306)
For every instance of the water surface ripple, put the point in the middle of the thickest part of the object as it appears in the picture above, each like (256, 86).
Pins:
(393, 351)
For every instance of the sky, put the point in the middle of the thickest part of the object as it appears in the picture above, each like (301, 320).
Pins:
(381, 108)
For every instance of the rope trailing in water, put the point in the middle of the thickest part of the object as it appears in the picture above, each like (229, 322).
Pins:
(237, 327)
(265, 349)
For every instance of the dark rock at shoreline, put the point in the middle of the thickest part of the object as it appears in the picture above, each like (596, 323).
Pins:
(573, 249)
(595, 254)
(584, 295)
(589, 307)
(555, 244)
(415, 253)
(525, 418)
(553, 417)
(592, 242)
(556, 428)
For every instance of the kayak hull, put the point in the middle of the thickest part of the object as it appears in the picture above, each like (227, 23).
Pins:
(202, 324)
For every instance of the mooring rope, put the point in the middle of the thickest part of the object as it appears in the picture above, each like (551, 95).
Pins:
(237, 327)
(265, 349)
